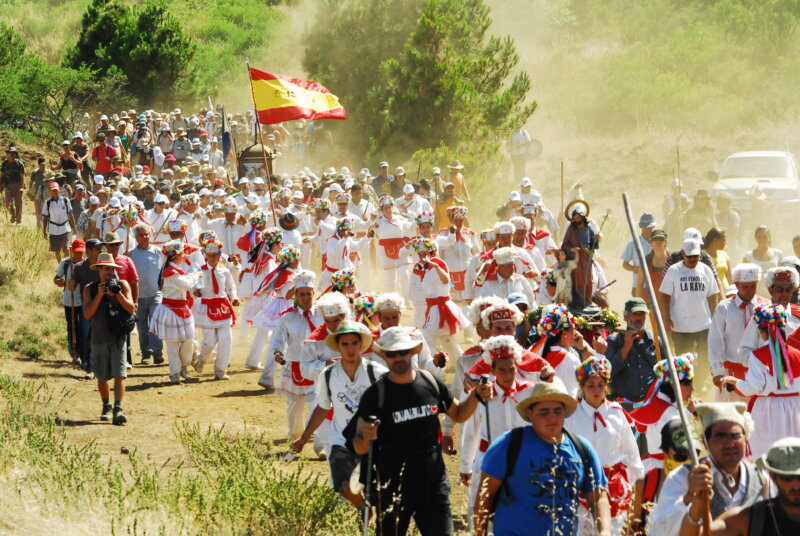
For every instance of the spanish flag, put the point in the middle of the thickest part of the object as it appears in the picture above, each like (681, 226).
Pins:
(279, 98)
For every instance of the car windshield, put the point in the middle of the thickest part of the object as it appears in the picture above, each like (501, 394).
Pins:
(751, 167)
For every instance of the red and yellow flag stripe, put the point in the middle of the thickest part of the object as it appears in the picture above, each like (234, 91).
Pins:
(281, 98)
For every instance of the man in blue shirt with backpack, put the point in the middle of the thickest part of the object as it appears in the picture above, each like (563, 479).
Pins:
(535, 476)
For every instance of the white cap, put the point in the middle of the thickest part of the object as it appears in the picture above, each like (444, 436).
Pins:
(204, 192)
(514, 196)
(746, 273)
(114, 202)
(205, 158)
(218, 192)
(98, 179)
(103, 117)
(408, 189)
(257, 180)
(94, 200)
(160, 198)
(288, 183)
(436, 171)
(400, 171)
(691, 247)
(298, 195)
(77, 135)
(336, 188)
(348, 183)
(525, 182)
(244, 180)
(693, 234)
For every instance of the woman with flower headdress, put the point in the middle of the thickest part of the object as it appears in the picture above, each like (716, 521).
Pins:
(416, 293)
(564, 347)
(458, 245)
(364, 310)
(443, 318)
(392, 232)
(546, 295)
(344, 282)
(502, 354)
(659, 406)
(338, 250)
(608, 428)
(772, 381)
(172, 320)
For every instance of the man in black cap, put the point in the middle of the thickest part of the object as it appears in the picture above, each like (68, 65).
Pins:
(83, 275)
(633, 354)
(12, 182)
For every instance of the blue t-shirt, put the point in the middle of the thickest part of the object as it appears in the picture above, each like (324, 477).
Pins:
(148, 265)
(544, 485)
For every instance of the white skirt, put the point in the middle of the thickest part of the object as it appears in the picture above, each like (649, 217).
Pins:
(246, 286)
(775, 417)
(431, 327)
(287, 386)
(168, 326)
(270, 315)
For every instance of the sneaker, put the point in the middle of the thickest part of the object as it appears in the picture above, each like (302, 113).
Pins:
(175, 378)
(108, 410)
(185, 374)
(119, 417)
(158, 359)
(220, 375)
(145, 360)
(88, 376)
(268, 386)
(128, 366)
(198, 366)
(254, 367)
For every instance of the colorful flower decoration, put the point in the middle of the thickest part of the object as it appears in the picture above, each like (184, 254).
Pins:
(283, 193)
(386, 201)
(424, 217)
(343, 278)
(501, 347)
(172, 248)
(488, 235)
(288, 254)
(129, 213)
(364, 306)
(594, 366)
(529, 209)
(555, 320)
(190, 199)
(342, 198)
(230, 206)
(684, 364)
(769, 314)
(321, 204)
(457, 212)
(272, 236)
(206, 236)
(549, 277)
(212, 246)
(426, 244)
(345, 224)
(258, 217)
(177, 226)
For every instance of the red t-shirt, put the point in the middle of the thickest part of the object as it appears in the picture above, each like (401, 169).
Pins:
(98, 155)
(128, 271)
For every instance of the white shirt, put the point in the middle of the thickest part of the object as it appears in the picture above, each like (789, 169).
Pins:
(58, 211)
(629, 254)
(751, 340)
(565, 371)
(345, 393)
(610, 434)
(399, 227)
(192, 227)
(292, 330)
(227, 233)
(313, 355)
(338, 251)
(503, 287)
(413, 207)
(226, 288)
(455, 252)
(689, 289)
(725, 335)
(159, 223)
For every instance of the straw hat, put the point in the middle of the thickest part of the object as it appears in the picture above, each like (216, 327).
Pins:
(396, 339)
(547, 392)
(783, 457)
(105, 259)
(346, 327)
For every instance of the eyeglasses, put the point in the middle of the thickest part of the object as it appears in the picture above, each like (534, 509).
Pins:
(724, 438)
(788, 478)
(398, 353)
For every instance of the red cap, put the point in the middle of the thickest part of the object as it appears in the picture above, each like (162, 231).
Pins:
(146, 170)
(78, 245)
(204, 132)
(170, 158)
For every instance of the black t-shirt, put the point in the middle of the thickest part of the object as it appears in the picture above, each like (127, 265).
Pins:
(84, 274)
(410, 413)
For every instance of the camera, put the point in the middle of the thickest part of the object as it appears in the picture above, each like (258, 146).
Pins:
(484, 379)
(114, 286)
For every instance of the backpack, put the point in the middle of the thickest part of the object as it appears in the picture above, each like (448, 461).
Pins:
(514, 447)
(329, 371)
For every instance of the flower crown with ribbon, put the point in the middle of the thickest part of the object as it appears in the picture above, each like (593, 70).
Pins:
(206, 236)
(177, 226)
(364, 307)
(549, 276)
(343, 278)
(488, 235)
(385, 201)
(288, 254)
(424, 217)
(457, 211)
(212, 246)
(283, 193)
(190, 199)
(172, 248)
(426, 244)
(594, 366)
(769, 314)
(131, 212)
(501, 347)
(258, 217)
(529, 208)
(230, 206)
(342, 198)
(555, 320)
(272, 236)
(345, 224)
(684, 365)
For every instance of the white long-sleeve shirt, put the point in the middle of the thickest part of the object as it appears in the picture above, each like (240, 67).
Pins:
(293, 328)
(397, 228)
(338, 250)
(159, 223)
(228, 234)
(314, 353)
(610, 434)
(503, 287)
(192, 227)
(725, 335)
(226, 288)
(457, 252)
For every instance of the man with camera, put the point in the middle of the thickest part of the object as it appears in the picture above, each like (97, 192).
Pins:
(104, 301)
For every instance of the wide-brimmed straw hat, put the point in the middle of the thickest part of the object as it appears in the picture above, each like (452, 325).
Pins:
(783, 457)
(396, 339)
(345, 328)
(105, 259)
(547, 392)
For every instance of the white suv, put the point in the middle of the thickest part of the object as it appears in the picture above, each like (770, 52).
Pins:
(774, 171)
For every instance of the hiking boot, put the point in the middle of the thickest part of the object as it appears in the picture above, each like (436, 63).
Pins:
(158, 359)
(220, 375)
(198, 366)
(119, 417)
(107, 412)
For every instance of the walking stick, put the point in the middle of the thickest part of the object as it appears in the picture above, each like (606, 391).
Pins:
(72, 309)
(483, 381)
(371, 419)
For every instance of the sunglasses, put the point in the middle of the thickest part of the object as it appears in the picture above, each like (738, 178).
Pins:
(788, 478)
(398, 353)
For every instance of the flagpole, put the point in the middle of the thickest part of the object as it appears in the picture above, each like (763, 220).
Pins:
(261, 141)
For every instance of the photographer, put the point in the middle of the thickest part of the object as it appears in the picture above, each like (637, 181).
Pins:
(108, 347)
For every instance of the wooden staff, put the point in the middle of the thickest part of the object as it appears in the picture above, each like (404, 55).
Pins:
(72, 309)
(263, 148)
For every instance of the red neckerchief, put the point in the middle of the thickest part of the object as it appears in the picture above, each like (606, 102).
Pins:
(213, 277)
(555, 357)
(511, 391)
(319, 333)
(598, 417)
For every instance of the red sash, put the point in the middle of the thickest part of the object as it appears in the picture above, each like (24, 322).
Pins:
(619, 489)
(297, 376)
(752, 401)
(218, 309)
(650, 414)
(446, 315)
(458, 280)
(179, 307)
(391, 246)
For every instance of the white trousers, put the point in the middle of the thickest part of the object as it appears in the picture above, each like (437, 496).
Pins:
(222, 338)
(396, 279)
(446, 343)
(179, 355)
(257, 349)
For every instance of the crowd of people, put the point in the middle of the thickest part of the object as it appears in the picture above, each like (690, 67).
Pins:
(365, 290)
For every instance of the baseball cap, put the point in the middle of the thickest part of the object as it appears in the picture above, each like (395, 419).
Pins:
(408, 189)
(691, 247)
(525, 182)
(636, 305)
(78, 245)
(658, 234)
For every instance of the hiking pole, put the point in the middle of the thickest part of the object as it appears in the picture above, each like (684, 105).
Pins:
(72, 309)
(370, 419)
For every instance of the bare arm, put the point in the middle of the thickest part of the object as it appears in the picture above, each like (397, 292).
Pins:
(488, 488)
(125, 297)
(601, 510)
(317, 418)
(461, 410)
